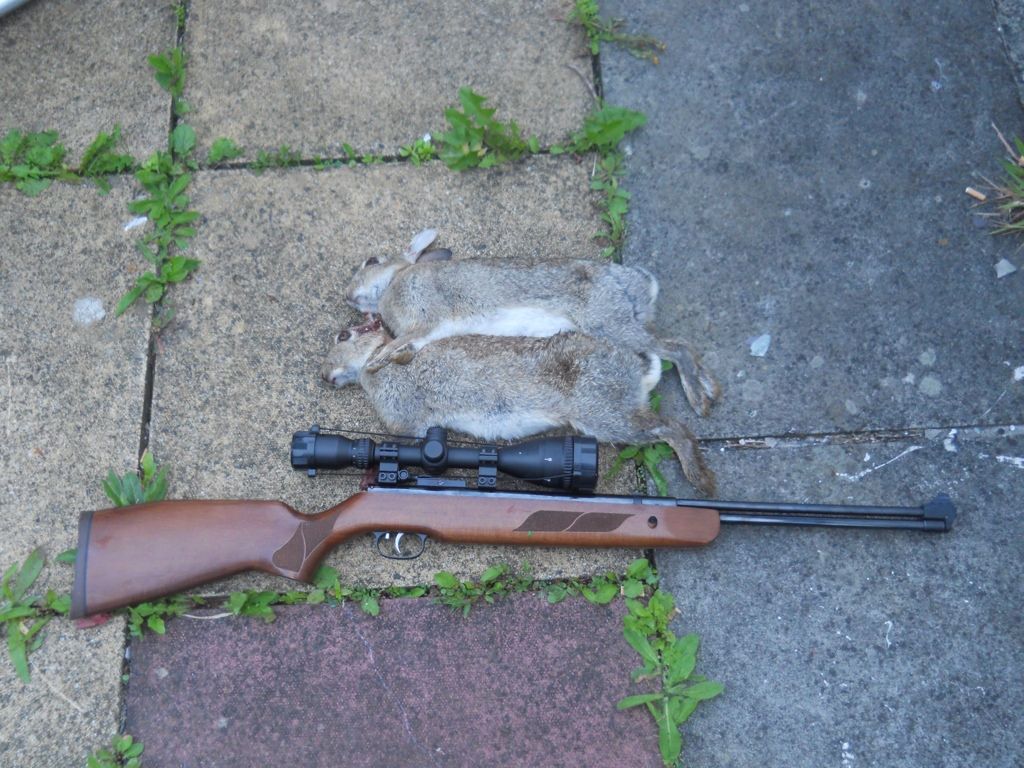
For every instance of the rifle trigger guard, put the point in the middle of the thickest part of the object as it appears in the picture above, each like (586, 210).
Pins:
(397, 545)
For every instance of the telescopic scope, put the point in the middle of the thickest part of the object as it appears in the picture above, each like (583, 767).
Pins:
(567, 463)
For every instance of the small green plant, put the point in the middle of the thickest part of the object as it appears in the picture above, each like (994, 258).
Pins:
(670, 662)
(323, 163)
(152, 615)
(329, 587)
(32, 161)
(608, 174)
(284, 157)
(180, 14)
(587, 15)
(419, 151)
(169, 71)
(1008, 196)
(123, 753)
(133, 488)
(164, 176)
(101, 159)
(24, 614)
(496, 582)
(223, 150)
(602, 130)
(254, 603)
(646, 458)
(476, 139)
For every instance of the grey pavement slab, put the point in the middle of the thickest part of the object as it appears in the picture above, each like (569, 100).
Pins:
(71, 393)
(79, 67)
(801, 176)
(517, 683)
(238, 371)
(378, 75)
(73, 376)
(841, 647)
(72, 707)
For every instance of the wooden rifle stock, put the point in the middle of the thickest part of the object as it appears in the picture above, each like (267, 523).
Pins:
(132, 554)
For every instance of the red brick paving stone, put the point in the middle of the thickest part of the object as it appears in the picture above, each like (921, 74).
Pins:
(519, 683)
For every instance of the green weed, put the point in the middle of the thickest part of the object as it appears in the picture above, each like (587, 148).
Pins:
(476, 139)
(24, 614)
(169, 71)
(495, 582)
(101, 159)
(152, 615)
(133, 488)
(670, 662)
(32, 161)
(419, 151)
(587, 15)
(1008, 196)
(284, 157)
(602, 130)
(165, 176)
(223, 150)
(123, 753)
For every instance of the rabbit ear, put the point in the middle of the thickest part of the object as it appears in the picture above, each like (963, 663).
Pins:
(419, 244)
(442, 254)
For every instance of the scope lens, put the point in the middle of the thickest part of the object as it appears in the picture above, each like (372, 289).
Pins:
(566, 463)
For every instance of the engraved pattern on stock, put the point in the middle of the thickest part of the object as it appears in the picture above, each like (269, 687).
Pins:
(577, 522)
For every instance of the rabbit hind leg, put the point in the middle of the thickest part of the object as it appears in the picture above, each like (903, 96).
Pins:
(642, 426)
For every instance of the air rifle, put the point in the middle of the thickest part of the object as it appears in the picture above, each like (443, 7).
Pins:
(137, 553)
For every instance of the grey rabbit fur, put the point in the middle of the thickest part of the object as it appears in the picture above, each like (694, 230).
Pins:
(424, 295)
(532, 385)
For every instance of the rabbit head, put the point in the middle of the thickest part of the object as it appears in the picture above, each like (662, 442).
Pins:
(373, 277)
(352, 348)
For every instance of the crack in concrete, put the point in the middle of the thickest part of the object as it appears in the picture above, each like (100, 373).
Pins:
(387, 689)
(756, 442)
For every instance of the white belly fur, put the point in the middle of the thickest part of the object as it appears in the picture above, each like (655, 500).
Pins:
(509, 427)
(509, 321)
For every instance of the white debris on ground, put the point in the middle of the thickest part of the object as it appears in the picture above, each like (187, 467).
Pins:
(759, 346)
(88, 311)
(1004, 268)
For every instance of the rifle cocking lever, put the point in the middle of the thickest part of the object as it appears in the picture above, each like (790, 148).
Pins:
(396, 545)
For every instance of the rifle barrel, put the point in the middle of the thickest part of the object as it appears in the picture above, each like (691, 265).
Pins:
(937, 515)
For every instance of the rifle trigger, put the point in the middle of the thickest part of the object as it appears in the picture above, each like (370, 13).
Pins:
(402, 547)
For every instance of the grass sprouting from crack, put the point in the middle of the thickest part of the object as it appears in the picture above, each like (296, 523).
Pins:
(1007, 195)
(587, 15)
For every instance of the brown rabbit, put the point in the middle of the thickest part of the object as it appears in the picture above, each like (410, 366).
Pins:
(425, 295)
(510, 387)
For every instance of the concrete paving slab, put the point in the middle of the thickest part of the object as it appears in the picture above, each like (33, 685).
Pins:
(378, 75)
(518, 683)
(864, 648)
(71, 393)
(801, 178)
(73, 377)
(72, 705)
(79, 67)
(238, 371)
